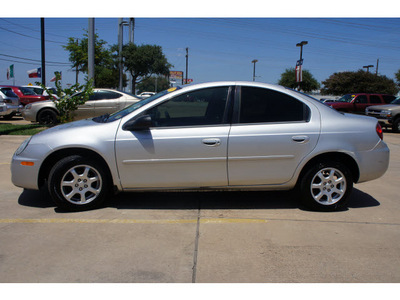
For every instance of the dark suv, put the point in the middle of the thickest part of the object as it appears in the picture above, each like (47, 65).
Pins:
(357, 103)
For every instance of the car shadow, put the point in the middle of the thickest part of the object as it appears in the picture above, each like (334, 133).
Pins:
(199, 200)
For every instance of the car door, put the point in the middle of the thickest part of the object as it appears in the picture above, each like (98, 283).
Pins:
(271, 134)
(107, 102)
(186, 146)
(86, 110)
(360, 103)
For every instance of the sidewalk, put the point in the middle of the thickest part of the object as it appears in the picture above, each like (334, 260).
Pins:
(15, 120)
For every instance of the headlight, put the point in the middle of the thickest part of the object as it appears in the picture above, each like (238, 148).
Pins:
(386, 113)
(23, 146)
(28, 106)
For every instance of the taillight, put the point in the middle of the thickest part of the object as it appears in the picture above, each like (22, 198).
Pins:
(379, 130)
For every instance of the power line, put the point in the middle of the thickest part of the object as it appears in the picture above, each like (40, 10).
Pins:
(50, 41)
(31, 29)
(35, 60)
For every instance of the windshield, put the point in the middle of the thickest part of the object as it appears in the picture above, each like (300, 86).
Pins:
(346, 98)
(396, 101)
(127, 110)
(27, 91)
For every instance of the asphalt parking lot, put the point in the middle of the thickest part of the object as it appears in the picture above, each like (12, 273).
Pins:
(207, 237)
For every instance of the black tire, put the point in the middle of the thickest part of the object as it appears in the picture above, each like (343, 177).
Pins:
(47, 117)
(9, 117)
(396, 125)
(77, 183)
(326, 186)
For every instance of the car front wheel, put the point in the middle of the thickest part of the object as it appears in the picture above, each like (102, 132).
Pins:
(77, 183)
(326, 186)
(47, 117)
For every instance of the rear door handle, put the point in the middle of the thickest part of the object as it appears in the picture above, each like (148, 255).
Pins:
(211, 142)
(300, 138)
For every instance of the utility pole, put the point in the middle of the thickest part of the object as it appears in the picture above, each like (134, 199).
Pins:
(377, 63)
(43, 52)
(254, 69)
(131, 40)
(187, 62)
(76, 68)
(121, 23)
(91, 50)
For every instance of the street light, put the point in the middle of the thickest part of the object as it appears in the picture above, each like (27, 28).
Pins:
(301, 44)
(367, 67)
(254, 69)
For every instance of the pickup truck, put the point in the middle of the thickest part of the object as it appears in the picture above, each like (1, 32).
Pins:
(387, 115)
(358, 102)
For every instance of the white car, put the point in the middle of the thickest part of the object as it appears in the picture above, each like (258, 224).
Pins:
(145, 95)
(211, 136)
(41, 91)
(102, 101)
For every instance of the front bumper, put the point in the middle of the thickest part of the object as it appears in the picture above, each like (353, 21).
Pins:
(25, 167)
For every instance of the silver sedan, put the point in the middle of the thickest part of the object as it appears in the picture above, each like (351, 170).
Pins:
(222, 135)
(102, 101)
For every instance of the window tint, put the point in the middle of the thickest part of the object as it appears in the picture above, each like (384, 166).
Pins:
(8, 92)
(259, 105)
(104, 95)
(201, 107)
(361, 99)
(374, 99)
(27, 91)
(388, 98)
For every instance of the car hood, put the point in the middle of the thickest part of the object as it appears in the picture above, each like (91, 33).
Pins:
(77, 134)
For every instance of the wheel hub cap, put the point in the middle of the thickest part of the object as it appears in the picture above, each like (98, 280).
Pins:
(81, 184)
(328, 186)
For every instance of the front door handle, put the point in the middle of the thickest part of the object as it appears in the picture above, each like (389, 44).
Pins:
(212, 142)
(300, 138)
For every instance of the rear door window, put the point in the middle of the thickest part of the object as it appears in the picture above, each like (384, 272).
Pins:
(260, 105)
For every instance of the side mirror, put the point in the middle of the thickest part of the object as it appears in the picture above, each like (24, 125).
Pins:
(141, 123)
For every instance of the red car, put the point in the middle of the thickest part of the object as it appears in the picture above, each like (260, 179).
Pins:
(26, 95)
(358, 102)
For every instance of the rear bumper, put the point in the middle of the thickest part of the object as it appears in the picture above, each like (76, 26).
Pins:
(9, 109)
(374, 163)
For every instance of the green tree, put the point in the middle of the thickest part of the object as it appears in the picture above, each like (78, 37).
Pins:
(143, 61)
(288, 79)
(67, 101)
(358, 82)
(397, 75)
(105, 66)
(149, 84)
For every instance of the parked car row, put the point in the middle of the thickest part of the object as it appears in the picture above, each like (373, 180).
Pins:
(102, 101)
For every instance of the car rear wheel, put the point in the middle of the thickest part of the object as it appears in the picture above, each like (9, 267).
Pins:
(326, 186)
(9, 117)
(47, 117)
(77, 183)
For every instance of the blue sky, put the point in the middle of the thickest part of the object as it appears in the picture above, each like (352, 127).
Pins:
(219, 48)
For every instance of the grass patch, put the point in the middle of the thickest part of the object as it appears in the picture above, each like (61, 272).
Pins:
(11, 129)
